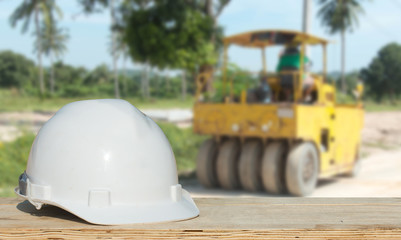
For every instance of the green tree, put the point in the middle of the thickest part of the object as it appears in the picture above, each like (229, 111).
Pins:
(383, 75)
(340, 16)
(15, 70)
(53, 44)
(100, 75)
(68, 75)
(351, 81)
(172, 34)
(42, 11)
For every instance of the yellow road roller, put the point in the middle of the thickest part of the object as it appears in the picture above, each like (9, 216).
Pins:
(282, 135)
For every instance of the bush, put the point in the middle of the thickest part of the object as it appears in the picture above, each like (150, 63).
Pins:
(345, 98)
(75, 91)
(241, 79)
(185, 145)
(16, 70)
(13, 158)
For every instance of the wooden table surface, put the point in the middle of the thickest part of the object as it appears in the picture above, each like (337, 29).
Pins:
(229, 218)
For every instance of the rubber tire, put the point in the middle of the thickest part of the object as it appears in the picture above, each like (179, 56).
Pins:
(206, 163)
(249, 166)
(227, 164)
(273, 167)
(296, 161)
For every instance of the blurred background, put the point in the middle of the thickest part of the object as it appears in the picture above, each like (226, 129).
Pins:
(149, 52)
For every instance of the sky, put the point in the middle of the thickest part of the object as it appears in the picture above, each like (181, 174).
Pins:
(89, 41)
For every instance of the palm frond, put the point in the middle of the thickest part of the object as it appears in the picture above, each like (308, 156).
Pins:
(339, 15)
(23, 12)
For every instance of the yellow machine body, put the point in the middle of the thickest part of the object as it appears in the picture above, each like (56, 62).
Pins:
(335, 130)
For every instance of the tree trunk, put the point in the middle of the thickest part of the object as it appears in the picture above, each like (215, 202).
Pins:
(116, 85)
(209, 11)
(184, 86)
(39, 54)
(115, 58)
(145, 82)
(343, 84)
(391, 96)
(114, 50)
(167, 83)
(125, 77)
(156, 83)
(51, 75)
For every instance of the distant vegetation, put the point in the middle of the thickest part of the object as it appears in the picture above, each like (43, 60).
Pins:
(382, 80)
(17, 72)
(11, 100)
(184, 35)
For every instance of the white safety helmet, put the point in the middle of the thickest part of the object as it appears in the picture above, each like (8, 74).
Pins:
(107, 163)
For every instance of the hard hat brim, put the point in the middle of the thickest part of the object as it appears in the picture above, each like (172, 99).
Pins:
(129, 214)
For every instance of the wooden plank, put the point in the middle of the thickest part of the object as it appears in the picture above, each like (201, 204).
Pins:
(228, 218)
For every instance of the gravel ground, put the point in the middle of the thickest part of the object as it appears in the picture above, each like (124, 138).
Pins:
(381, 132)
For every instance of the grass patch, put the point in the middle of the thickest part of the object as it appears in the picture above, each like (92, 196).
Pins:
(7, 192)
(381, 145)
(384, 106)
(369, 105)
(14, 155)
(364, 155)
(185, 145)
(13, 101)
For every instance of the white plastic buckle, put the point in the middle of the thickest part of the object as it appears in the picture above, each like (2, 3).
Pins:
(34, 191)
(176, 192)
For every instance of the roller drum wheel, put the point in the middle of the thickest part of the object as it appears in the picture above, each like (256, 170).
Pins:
(302, 169)
(227, 164)
(273, 167)
(206, 163)
(249, 166)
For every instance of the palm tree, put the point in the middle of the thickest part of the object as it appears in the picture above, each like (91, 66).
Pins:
(340, 16)
(114, 37)
(52, 43)
(42, 12)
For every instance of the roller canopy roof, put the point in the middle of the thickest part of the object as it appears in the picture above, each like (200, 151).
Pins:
(266, 38)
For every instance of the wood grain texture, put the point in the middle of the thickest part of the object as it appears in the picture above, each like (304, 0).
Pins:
(226, 218)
